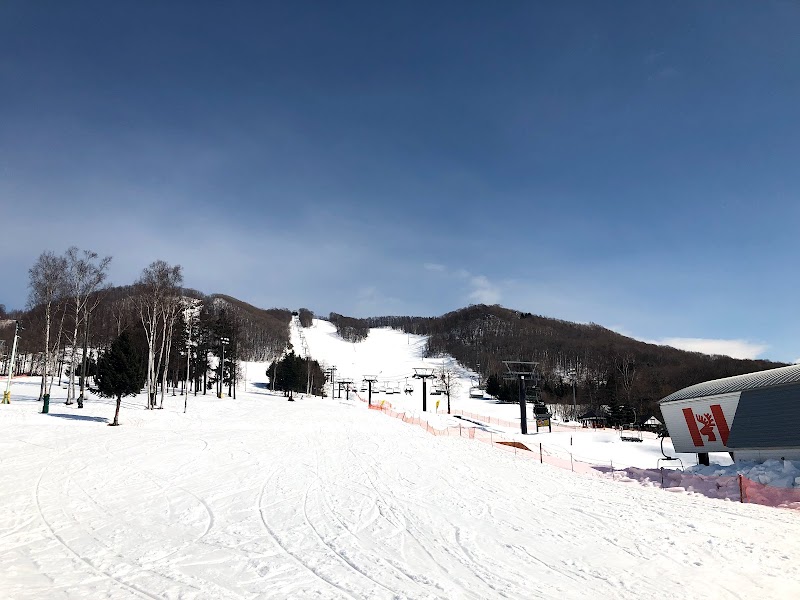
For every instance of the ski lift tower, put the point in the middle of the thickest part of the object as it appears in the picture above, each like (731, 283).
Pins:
(423, 373)
(370, 379)
(346, 383)
(330, 373)
(524, 373)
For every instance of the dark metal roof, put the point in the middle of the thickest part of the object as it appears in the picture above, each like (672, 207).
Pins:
(738, 383)
(767, 418)
(592, 414)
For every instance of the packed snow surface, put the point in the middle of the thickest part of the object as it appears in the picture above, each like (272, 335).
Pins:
(392, 356)
(262, 498)
(258, 497)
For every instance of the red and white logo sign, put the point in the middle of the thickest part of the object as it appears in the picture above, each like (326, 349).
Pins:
(702, 426)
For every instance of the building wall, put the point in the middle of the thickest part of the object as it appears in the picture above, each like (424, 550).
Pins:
(688, 434)
(765, 454)
(768, 418)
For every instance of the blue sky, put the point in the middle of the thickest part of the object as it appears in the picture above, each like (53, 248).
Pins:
(632, 164)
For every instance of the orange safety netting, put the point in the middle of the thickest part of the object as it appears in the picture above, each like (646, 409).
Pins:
(554, 457)
(759, 493)
(750, 491)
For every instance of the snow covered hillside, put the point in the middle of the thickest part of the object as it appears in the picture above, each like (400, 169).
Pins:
(392, 355)
(320, 498)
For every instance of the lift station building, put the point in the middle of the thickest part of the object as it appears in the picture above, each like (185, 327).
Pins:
(753, 417)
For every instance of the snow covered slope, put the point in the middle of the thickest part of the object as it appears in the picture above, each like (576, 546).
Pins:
(263, 498)
(392, 355)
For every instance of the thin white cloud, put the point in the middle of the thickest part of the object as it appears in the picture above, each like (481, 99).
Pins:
(711, 346)
(732, 348)
(484, 291)
(481, 289)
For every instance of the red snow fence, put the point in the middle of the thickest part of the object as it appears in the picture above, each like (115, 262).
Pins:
(735, 488)
(759, 493)
(499, 422)
(551, 456)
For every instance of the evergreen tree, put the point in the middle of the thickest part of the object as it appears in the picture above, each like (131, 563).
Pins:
(295, 374)
(120, 372)
(493, 385)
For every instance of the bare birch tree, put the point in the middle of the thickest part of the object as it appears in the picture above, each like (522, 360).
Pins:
(157, 286)
(173, 307)
(85, 274)
(47, 286)
(450, 383)
(57, 347)
(626, 367)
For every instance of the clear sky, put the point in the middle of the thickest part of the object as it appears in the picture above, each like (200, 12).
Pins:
(633, 164)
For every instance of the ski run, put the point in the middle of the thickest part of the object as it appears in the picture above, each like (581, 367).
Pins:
(258, 498)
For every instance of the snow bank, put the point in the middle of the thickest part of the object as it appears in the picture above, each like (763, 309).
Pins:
(771, 483)
(773, 472)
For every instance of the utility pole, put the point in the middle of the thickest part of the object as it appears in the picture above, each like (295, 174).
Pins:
(308, 370)
(7, 393)
(370, 379)
(188, 356)
(423, 373)
(574, 405)
(223, 341)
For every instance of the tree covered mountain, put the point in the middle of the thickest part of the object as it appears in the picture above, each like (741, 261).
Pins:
(607, 368)
(603, 367)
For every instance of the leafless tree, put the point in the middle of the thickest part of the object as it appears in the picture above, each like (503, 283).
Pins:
(85, 273)
(173, 308)
(626, 367)
(450, 384)
(47, 284)
(157, 290)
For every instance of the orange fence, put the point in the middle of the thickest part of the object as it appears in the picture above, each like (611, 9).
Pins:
(473, 416)
(736, 488)
(545, 455)
(759, 493)
(500, 422)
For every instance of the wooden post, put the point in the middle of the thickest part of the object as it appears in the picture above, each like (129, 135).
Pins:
(541, 458)
(741, 489)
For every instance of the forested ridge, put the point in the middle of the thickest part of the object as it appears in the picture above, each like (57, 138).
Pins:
(603, 367)
(607, 368)
(74, 317)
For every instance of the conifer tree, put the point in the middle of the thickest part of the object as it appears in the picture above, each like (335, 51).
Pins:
(120, 372)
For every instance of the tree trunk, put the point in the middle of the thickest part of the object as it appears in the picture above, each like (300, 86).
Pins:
(43, 391)
(56, 348)
(116, 414)
(71, 384)
(168, 350)
(85, 352)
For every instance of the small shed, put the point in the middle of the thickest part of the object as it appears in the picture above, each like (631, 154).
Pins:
(593, 419)
(754, 416)
(652, 424)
